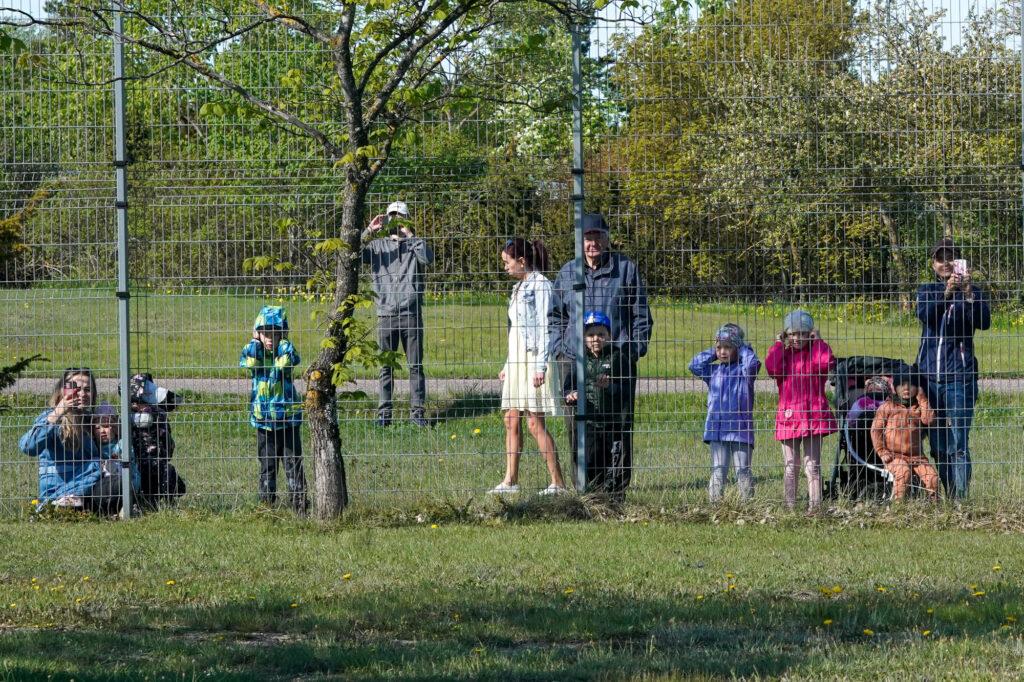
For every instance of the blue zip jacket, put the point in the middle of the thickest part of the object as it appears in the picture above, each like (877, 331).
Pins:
(730, 395)
(614, 288)
(273, 401)
(62, 471)
(947, 331)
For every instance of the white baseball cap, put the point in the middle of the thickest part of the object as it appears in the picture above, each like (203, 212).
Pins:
(398, 207)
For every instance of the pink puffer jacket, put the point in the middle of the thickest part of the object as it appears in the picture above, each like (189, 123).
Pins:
(801, 375)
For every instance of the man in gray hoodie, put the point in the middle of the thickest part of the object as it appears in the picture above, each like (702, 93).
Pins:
(396, 258)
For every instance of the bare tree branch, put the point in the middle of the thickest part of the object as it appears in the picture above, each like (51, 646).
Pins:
(380, 102)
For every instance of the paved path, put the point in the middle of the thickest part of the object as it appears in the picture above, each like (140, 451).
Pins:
(442, 387)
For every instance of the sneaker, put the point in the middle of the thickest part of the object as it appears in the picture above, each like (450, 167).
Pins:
(419, 420)
(71, 501)
(504, 489)
(553, 490)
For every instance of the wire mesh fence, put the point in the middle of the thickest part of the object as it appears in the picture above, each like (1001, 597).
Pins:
(749, 157)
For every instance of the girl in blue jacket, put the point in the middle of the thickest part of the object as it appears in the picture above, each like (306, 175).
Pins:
(729, 368)
(62, 438)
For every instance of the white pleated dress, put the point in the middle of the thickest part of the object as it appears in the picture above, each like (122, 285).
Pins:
(518, 391)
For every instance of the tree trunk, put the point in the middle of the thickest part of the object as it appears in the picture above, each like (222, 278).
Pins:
(331, 495)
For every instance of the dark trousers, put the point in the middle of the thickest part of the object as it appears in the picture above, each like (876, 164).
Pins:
(609, 442)
(104, 497)
(277, 444)
(949, 434)
(160, 482)
(407, 330)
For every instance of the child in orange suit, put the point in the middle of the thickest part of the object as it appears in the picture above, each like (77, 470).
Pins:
(896, 435)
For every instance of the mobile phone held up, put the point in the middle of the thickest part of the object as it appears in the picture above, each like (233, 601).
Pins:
(960, 267)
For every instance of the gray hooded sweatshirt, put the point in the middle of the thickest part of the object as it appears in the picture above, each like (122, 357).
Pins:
(396, 272)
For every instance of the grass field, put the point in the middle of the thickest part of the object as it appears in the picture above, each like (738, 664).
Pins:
(201, 335)
(406, 469)
(248, 596)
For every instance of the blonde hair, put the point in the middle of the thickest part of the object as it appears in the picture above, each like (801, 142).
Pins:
(75, 425)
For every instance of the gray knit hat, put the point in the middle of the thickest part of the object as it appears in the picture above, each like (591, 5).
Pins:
(798, 321)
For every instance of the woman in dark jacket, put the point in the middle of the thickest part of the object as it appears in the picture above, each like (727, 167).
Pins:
(951, 310)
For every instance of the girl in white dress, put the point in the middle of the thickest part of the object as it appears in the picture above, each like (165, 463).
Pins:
(529, 385)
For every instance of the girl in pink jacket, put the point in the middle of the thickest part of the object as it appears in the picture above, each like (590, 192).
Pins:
(800, 362)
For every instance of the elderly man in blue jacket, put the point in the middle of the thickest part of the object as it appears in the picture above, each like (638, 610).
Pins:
(951, 310)
(614, 287)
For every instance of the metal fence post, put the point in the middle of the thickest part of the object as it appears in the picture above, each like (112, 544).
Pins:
(121, 206)
(577, 200)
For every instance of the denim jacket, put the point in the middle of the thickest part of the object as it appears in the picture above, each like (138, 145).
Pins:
(528, 313)
(62, 470)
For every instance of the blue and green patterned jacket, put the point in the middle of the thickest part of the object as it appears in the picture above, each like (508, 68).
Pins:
(274, 403)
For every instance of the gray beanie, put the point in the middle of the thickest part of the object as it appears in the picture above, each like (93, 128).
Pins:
(798, 321)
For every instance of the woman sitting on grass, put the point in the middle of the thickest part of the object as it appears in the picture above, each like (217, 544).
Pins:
(70, 457)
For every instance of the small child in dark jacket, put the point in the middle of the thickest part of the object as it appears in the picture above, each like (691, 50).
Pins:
(607, 372)
(729, 368)
(152, 443)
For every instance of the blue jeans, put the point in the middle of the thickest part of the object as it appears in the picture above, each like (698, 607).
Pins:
(953, 401)
(740, 454)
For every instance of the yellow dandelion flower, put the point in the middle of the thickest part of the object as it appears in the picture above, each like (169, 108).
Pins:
(868, 632)
(476, 432)
(930, 611)
(729, 576)
(453, 436)
(78, 600)
(86, 578)
(1011, 619)
(926, 633)
(731, 587)
(35, 587)
(12, 606)
(35, 502)
(837, 589)
(171, 582)
(347, 576)
(434, 525)
(827, 621)
(979, 593)
(881, 588)
(569, 590)
(700, 597)
(293, 605)
(997, 568)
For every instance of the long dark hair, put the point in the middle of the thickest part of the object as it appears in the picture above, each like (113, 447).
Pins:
(534, 253)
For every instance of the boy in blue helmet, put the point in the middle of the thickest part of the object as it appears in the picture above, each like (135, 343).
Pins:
(608, 381)
(275, 408)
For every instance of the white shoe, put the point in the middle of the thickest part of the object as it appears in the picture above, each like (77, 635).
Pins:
(553, 490)
(71, 501)
(504, 489)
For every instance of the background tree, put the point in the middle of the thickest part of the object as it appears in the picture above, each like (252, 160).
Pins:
(369, 70)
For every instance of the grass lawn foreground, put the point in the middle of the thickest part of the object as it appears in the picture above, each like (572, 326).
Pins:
(250, 596)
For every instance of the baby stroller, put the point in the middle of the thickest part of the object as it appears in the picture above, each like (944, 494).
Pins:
(858, 473)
